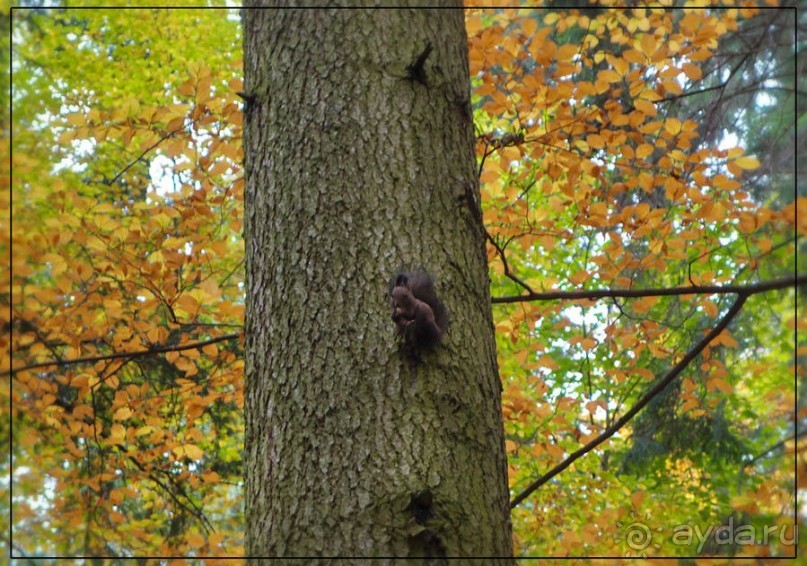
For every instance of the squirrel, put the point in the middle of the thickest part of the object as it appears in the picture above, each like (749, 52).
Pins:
(417, 312)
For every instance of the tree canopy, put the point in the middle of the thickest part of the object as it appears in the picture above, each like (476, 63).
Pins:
(637, 171)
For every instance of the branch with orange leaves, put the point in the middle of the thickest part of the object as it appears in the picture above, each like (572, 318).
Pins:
(124, 355)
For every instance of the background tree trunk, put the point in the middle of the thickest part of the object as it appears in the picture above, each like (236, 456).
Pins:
(357, 165)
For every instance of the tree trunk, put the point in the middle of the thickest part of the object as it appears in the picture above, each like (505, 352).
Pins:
(360, 160)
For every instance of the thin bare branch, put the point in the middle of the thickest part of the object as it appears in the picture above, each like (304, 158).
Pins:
(143, 154)
(595, 294)
(119, 355)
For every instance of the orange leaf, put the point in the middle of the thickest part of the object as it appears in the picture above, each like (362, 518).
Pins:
(634, 56)
(692, 71)
(596, 141)
(647, 44)
(195, 540)
(645, 106)
(579, 277)
(726, 339)
(644, 150)
(211, 477)
(588, 343)
(528, 25)
(489, 175)
(567, 52)
(710, 308)
(721, 384)
(689, 405)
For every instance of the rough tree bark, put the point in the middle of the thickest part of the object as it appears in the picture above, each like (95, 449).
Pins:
(359, 160)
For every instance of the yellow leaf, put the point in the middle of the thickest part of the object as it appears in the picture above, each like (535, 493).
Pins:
(190, 451)
(644, 150)
(122, 414)
(76, 119)
(117, 434)
(608, 76)
(67, 136)
(621, 66)
(747, 162)
(155, 257)
(673, 126)
(652, 127)
(144, 430)
(647, 44)
(741, 500)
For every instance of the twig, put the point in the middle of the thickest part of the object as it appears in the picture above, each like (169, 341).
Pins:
(142, 155)
(507, 273)
(595, 294)
(118, 355)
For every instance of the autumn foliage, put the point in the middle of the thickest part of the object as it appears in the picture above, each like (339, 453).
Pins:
(625, 222)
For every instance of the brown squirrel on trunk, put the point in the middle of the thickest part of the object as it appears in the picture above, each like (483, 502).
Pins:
(417, 312)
